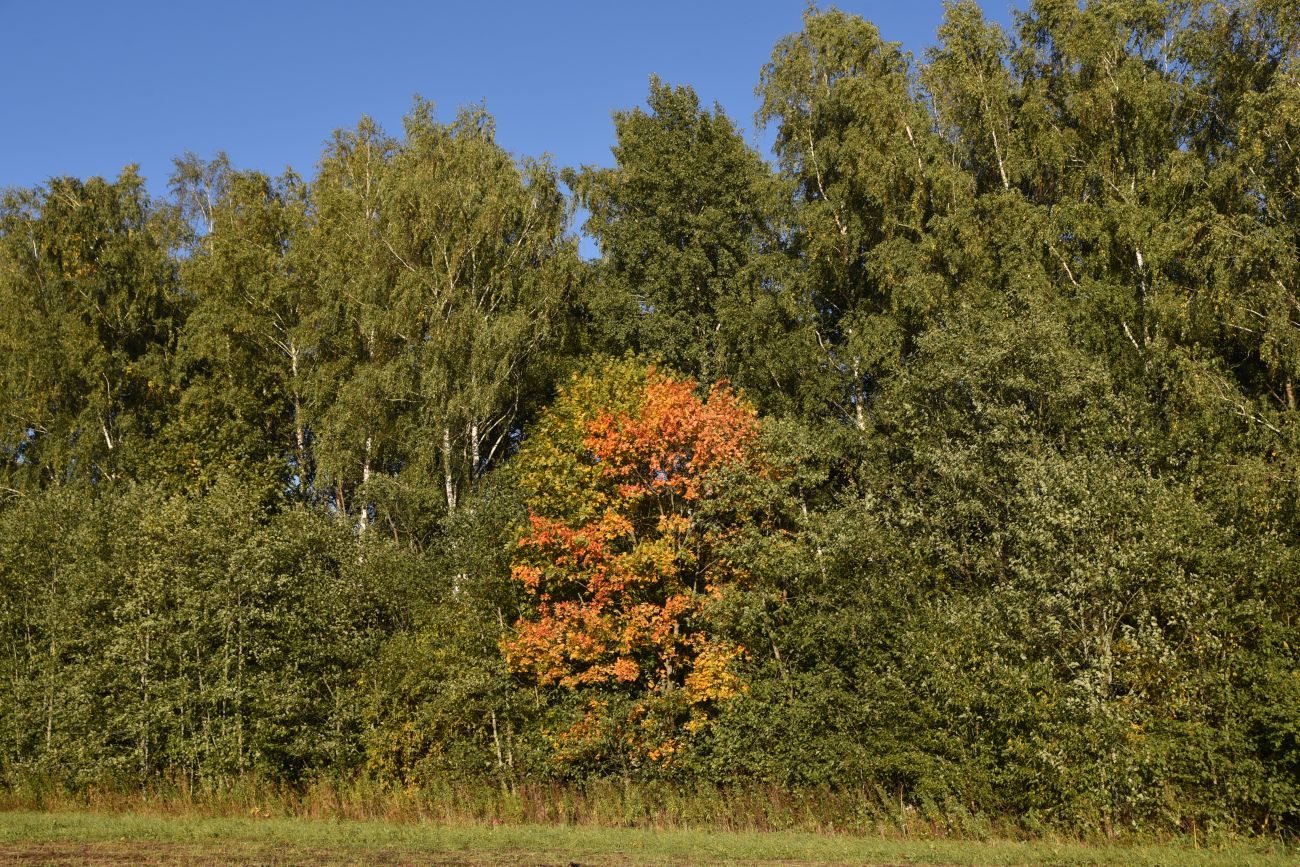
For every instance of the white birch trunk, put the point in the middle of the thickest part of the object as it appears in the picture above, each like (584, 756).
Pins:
(448, 481)
(365, 477)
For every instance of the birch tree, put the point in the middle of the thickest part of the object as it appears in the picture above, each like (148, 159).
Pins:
(446, 266)
(247, 354)
(856, 140)
(91, 312)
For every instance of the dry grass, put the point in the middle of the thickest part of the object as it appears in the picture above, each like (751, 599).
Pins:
(612, 804)
(89, 838)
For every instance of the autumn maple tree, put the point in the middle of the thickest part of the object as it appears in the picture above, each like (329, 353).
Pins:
(618, 563)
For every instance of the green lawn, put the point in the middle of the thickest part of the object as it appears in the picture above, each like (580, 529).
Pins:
(85, 838)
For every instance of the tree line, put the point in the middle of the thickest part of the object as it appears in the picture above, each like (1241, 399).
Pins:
(953, 453)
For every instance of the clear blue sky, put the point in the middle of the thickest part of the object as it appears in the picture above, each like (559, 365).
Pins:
(87, 87)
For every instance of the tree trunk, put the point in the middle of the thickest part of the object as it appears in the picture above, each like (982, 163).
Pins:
(299, 430)
(859, 417)
(448, 480)
(474, 453)
(364, 518)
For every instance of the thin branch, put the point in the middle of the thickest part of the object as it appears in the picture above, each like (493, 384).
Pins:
(1130, 337)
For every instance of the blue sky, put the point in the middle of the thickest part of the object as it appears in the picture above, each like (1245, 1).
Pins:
(87, 87)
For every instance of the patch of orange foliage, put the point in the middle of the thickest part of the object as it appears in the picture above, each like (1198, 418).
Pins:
(621, 596)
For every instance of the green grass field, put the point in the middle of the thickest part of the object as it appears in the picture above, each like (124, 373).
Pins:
(88, 838)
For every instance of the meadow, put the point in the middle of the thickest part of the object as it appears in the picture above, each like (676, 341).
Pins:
(28, 837)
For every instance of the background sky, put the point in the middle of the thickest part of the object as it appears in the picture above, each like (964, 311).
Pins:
(88, 87)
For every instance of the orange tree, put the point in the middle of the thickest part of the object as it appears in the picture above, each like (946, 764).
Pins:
(622, 559)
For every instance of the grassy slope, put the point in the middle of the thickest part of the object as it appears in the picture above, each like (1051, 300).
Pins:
(110, 839)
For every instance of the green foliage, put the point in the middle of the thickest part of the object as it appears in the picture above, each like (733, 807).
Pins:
(689, 224)
(87, 286)
(445, 270)
(245, 360)
(440, 702)
(191, 636)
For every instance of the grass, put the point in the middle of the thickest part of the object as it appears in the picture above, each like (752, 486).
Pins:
(30, 837)
(647, 805)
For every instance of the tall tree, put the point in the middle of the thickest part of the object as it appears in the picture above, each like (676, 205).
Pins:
(619, 561)
(246, 356)
(857, 141)
(445, 265)
(92, 311)
(689, 224)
